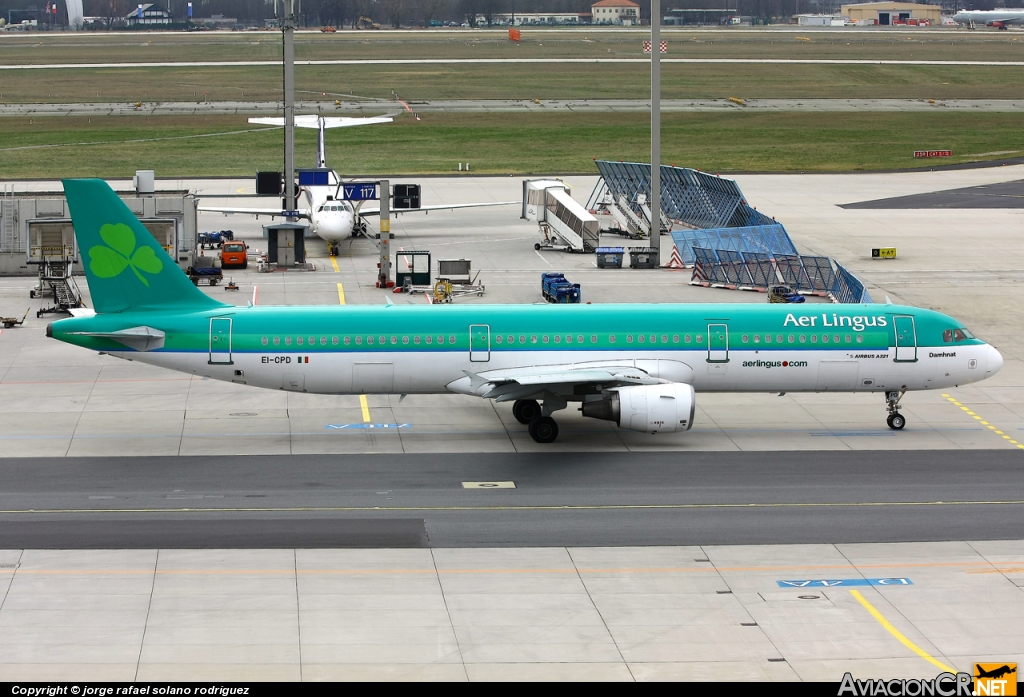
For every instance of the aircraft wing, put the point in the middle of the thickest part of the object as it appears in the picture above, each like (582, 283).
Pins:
(272, 212)
(313, 121)
(440, 207)
(522, 383)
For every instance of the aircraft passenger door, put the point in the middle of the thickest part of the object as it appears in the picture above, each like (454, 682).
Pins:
(906, 338)
(718, 343)
(479, 343)
(220, 341)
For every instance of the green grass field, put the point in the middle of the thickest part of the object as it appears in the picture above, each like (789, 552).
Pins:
(512, 142)
(511, 81)
(578, 81)
(535, 143)
(221, 46)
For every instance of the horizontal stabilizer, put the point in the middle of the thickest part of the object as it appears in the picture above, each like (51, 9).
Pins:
(313, 121)
(137, 338)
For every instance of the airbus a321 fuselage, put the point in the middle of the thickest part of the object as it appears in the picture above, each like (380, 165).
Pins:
(637, 365)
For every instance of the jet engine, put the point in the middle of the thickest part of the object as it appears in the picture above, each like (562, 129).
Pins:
(646, 408)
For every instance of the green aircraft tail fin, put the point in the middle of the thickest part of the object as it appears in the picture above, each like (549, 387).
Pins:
(126, 268)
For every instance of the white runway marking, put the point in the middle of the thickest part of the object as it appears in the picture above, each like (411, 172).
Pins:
(503, 61)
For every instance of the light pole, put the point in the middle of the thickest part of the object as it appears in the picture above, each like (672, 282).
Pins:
(655, 201)
(288, 32)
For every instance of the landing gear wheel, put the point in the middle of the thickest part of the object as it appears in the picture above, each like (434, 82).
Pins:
(896, 420)
(536, 246)
(525, 410)
(543, 429)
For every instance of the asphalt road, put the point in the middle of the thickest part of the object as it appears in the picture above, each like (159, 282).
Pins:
(1001, 195)
(375, 107)
(565, 499)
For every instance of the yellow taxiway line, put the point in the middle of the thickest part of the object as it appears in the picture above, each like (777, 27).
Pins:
(980, 420)
(899, 635)
(363, 404)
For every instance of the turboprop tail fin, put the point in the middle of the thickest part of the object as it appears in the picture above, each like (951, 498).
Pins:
(127, 270)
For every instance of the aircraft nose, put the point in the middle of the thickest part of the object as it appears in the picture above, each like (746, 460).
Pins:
(995, 361)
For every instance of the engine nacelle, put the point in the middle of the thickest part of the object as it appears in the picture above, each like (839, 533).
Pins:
(646, 408)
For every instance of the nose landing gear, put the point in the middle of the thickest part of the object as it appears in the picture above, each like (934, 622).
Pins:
(332, 249)
(896, 420)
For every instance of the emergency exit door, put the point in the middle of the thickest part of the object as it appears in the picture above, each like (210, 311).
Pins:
(220, 340)
(718, 343)
(906, 338)
(479, 343)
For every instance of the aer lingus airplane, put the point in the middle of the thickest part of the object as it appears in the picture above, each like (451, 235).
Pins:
(637, 365)
(331, 217)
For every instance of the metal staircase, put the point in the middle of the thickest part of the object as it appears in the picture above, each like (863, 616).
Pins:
(55, 279)
(8, 235)
(570, 221)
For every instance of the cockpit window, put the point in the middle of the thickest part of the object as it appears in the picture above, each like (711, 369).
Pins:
(955, 335)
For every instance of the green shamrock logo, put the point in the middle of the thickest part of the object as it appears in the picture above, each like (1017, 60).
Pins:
(110, 261)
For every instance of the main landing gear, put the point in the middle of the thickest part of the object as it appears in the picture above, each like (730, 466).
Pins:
(896, 420)
(542, 429)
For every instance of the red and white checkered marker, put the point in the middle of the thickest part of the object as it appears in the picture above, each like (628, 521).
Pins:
(675, 261)
(663, 44)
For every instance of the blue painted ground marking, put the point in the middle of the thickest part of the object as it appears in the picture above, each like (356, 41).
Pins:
(845, 582)
(373, 426)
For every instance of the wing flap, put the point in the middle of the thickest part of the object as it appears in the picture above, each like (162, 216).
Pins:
(272, 212)
(440, 207)
(520, 383)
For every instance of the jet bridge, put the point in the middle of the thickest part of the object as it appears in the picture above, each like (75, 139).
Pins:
(565, 224)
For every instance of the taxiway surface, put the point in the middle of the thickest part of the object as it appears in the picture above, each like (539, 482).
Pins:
(569, 499)
(479, 583)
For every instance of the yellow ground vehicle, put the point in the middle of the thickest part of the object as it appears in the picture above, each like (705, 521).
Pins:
(366, 23)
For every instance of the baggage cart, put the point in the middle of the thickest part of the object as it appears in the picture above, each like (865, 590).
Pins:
(609, 257)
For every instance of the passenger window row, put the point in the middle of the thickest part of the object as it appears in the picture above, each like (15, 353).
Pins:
(579, 339)
(803, 338)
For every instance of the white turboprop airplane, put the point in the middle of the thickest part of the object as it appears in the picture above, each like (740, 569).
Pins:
(1000, 19)
(331, 217)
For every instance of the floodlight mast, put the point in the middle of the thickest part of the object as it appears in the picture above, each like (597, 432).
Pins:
(288, 32)
(655, 202)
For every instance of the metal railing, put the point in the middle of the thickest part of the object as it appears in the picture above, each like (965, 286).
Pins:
(763, 239)
(757, 271)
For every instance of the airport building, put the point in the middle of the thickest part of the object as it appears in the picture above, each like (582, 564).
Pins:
(888, 13)
(149, 15)
(35, 227)
(621, 12)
